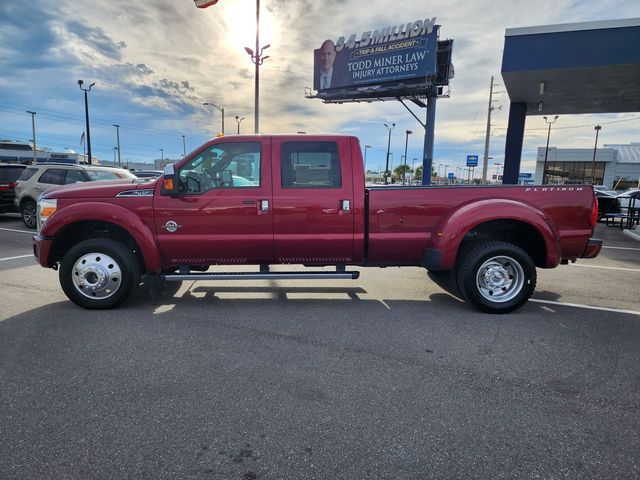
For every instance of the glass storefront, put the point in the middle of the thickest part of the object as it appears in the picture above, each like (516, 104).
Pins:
(559, 173)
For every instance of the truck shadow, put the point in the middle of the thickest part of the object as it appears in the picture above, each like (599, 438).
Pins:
(191, 293)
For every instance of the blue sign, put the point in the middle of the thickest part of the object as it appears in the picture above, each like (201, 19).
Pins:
(472, 160)
(391, 54)
(525, 176)
(451, 176)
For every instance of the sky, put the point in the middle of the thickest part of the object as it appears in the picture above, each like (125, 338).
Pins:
(155, 63)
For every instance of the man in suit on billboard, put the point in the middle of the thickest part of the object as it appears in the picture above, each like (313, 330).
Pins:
(327, 57)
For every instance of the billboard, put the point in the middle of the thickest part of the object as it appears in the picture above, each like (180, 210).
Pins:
(398, 54)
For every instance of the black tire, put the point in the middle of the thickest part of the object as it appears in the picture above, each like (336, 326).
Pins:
(99, 273)
(29, 211)
(496, 277)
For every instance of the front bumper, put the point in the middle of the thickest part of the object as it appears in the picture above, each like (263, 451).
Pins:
(594, 245)
(41, 249)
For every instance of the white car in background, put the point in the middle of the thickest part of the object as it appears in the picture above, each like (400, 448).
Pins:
(36, 179)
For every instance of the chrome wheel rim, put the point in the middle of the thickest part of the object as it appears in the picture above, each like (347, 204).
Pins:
(29, 214)
(500, 279)
(96, 276)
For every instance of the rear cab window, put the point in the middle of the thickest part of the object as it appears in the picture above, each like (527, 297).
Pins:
(310, 165)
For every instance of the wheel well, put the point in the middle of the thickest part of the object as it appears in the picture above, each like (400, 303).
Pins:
(26, 198)
(78, 232)
(519, 233)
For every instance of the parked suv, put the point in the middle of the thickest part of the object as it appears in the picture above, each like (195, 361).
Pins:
(8, 176)
(35, 179)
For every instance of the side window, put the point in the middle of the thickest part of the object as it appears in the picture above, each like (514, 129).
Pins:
(27, 173)
(225, 165)
(53, 176)
(74, 176)
(310, 165)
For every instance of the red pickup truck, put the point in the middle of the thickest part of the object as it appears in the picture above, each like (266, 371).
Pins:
(301, 199)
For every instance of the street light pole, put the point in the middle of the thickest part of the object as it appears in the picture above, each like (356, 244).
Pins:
(238, 120)
(386, 171)
(33, 129)
(257, 59)
(546, 151)
(184, 147)
(221, 110)
(445, 173)
(86, 114)
(161, 155)
(597, 128)
(365, 156)
(406, 143)
(118, 143)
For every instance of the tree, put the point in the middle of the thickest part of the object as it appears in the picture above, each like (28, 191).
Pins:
(418, 175)
(397, 172)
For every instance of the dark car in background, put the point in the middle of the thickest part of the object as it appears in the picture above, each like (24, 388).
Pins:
(9, 174)
(607, 202)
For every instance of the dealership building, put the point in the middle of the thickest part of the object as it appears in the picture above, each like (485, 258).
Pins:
(14, 152)
(616, 166)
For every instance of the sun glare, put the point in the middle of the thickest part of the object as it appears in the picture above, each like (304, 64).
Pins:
(240, 16)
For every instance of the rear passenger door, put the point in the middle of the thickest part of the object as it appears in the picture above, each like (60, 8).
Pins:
(312, 201)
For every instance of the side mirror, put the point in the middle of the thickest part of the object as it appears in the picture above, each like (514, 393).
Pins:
(226, 179)
(170, 182)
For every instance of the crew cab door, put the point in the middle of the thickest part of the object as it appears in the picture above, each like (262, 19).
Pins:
(312, 201)
(223, 211)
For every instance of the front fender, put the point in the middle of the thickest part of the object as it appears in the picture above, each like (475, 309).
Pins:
(110, 213)
(451, 229)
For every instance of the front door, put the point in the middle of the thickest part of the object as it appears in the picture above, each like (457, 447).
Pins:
(223, 213)
(312, 201)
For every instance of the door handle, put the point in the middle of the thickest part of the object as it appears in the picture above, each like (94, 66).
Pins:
(264, 206)
(346, 205)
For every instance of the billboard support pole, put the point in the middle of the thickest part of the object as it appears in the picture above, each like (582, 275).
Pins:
(429, 131)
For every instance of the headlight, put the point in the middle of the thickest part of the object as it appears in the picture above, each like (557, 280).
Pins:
(46, 208)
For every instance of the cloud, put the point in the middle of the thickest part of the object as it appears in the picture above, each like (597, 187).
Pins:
(97, 39)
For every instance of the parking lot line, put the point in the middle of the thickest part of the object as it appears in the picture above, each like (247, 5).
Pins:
(608, 268)
(622, 248)
(588, 307)
(14, 258)
(30, 232)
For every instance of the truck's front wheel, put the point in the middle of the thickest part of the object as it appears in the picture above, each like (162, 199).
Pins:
(99, 273)
(496, 277)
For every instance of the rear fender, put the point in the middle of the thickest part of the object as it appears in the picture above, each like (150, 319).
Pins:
(451, 229)
(110, 213)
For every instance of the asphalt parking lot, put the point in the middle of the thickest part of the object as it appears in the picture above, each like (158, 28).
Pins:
(386, 377)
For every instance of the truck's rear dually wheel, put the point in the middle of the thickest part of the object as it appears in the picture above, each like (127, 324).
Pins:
(496, 277)
(99, 273)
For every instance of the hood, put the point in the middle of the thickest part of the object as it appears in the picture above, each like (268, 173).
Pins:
(102, 189)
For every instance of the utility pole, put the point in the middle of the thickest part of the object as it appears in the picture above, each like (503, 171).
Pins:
(118, 143)
(485, 163)
(184, 147)
(33, 128)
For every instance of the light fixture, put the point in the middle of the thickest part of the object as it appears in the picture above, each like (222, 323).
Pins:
(539, 106)
(541, 88)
